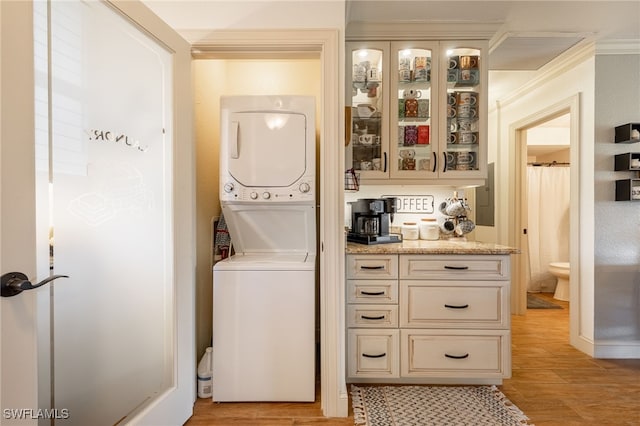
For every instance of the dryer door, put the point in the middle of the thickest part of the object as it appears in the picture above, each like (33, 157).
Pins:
(267, 149)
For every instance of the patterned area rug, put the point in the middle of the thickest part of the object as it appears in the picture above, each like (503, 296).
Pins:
(433, 405)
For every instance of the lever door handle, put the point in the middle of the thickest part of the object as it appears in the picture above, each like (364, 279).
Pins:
(13, 283)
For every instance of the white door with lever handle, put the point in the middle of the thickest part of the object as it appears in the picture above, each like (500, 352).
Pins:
(88, 154)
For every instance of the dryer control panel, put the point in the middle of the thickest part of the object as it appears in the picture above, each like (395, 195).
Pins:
(303, 190)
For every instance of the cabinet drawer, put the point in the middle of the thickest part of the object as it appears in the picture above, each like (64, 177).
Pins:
(454, 353)
(459, 267)
(372, 291)
(454, 304)
(372, 316)
(373, 353)
(372, 266)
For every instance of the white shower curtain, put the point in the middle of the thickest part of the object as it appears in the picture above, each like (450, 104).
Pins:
(548, 223)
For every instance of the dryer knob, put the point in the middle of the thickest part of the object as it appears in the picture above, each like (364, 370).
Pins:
(228, 187)
(304, 187)
(266, 195)
(253, 195)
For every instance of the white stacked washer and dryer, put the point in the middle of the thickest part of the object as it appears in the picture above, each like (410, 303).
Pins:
(264, 295)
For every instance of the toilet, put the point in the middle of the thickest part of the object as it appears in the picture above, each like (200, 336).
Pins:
(561, 271)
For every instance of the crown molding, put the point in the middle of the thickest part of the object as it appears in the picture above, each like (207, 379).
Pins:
(618, 47)
(563, 63)
(421, 30)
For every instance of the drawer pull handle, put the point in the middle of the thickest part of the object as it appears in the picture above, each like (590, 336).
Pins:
(457, 268)
(381, 317)
(457, 356)
(372, 293)
(456, 306)
(372, 267)
(375, 356)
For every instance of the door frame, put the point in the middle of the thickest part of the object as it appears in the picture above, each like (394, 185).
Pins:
(272, 44)
(18, 347)
(18, 333)
(518, 139)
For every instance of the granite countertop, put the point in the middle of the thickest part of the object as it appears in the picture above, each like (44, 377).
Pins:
(431, 247)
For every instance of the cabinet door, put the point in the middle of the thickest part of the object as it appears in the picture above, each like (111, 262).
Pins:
(463, 118)
(367, 94)
(413, 108)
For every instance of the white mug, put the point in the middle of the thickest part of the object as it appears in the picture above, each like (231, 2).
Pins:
(367, 139)
(456, 208)
(411, 94)
(467, 98)
(464, 226)
(466, 157)
(471, 138)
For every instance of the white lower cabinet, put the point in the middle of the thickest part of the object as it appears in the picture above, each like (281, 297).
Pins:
(428, 319)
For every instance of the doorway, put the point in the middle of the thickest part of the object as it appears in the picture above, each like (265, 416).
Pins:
(326, 45)
(567, 113)
(548, 195)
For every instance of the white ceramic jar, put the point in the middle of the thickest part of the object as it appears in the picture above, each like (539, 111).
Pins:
(429, 229)
(410, 231)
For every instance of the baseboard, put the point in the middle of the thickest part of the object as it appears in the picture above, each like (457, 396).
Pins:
(612, 349)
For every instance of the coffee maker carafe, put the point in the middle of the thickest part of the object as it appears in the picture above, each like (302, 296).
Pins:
(371, 220)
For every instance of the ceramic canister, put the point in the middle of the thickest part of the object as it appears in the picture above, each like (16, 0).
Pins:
(410, 231)
(429, 229)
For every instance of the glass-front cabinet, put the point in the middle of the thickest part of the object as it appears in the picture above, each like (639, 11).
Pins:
(413, 86)
(367, 94)
(418, 111)
(464, 120)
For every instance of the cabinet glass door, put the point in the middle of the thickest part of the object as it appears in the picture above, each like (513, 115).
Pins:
(465, 105)
(368, 153)
(412, 152)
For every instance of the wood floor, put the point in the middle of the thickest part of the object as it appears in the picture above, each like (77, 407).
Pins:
(552, 383)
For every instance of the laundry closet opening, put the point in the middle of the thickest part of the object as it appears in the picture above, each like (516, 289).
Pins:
(290, 73)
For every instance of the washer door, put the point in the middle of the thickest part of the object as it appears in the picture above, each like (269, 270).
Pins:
(267, 149)
(263, 229)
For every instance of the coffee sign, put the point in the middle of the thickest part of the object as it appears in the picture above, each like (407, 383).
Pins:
(413, 203)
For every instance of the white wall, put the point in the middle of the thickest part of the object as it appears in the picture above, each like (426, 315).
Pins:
(617, 254)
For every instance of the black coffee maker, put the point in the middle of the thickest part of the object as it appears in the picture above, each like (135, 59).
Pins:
(371, 219)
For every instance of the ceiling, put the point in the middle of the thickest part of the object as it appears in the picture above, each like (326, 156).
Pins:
(528, 34)
(525, 34)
